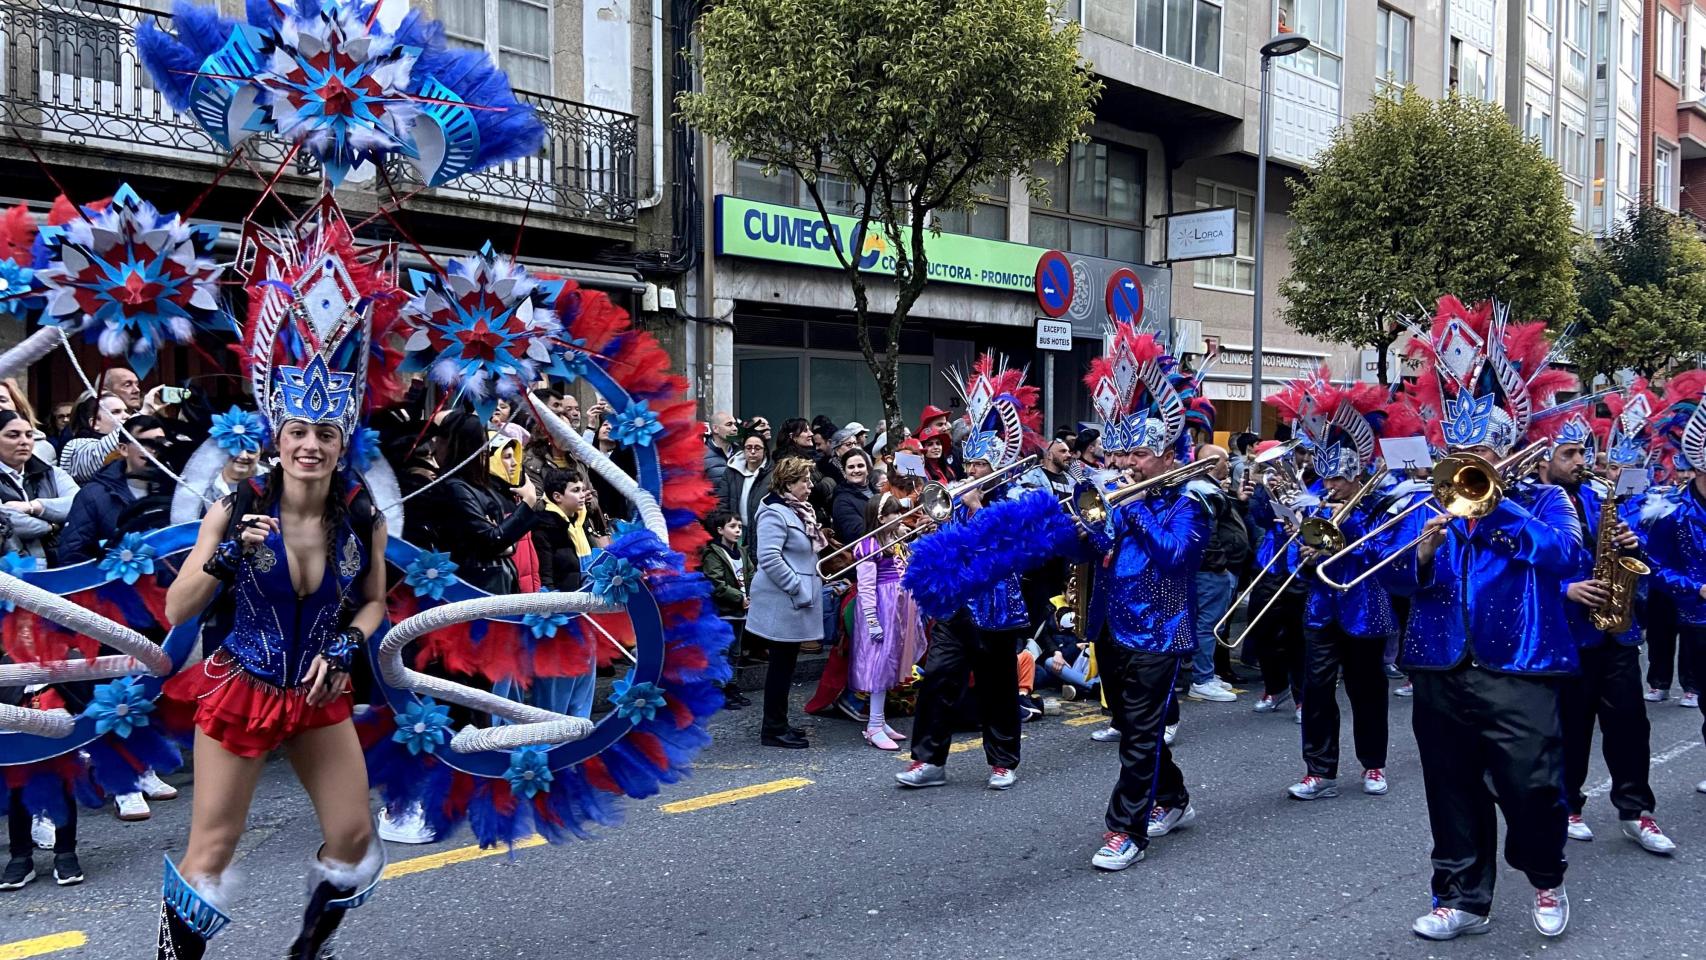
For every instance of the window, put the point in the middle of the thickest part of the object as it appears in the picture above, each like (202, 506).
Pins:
(1576, 44)
(1094, 204)
(1184, 30)
(1629, 181)
(1391, 51)
(1319, 21)
(1537, 125)
(1572, 160)
(1541, 15)
(1237, 272)
(987, 217)
(1664, 177)
(1471, 70)
(1669, 39)
(521, 45)
(751, 183)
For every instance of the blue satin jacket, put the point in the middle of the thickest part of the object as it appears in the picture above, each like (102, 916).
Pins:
(275, 635)
(1365, 610)
(1494, 593)
(1589, 499)
(1676, 549)
(1148, 591)
(1002, 607)
(1266, 519)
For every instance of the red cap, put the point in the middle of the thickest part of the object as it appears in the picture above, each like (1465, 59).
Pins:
(1264, 447)
(930, 413)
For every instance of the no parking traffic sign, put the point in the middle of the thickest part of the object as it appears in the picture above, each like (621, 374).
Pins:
(1125, 297)
(1054, 283)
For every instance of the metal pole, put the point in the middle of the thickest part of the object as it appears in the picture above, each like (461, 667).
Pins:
(1261, 220)
(1048, 393)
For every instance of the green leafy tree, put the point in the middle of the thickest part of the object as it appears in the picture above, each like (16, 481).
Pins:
(1418, 198)
(913, 102)
(1643, 298)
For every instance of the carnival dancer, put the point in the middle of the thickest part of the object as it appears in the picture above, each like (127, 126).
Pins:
(1344, 631)
(1487, 641)
(1676, 541)
(982, 637)
(1608, 688)
(1144, 599)
(888, 632)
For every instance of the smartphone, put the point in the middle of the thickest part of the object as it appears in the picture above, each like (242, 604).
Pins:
(174, 394)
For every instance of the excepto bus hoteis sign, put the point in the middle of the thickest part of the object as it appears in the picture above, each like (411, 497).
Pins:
(767, 231)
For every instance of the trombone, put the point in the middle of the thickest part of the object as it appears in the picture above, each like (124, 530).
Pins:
(1092, 507)
(1466, 486)
(1322, 534)
(1285, 485)
(936, 503)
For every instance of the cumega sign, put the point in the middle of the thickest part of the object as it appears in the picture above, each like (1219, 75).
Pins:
(766, 231)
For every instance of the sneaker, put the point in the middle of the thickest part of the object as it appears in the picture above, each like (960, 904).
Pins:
(1164, 820)
(42, 833)
(1170, 733)
(19, 871)
(67, 872)
(920, 774)
(1374, 782)
(1578, 828)
(1211, 691)
(1298, 715)
(1106, 735)
(1028, 710)
(155, 788)
(1000, 778)
(1392, 672)
(1313, 788)
(1445, 923)
(1655, 695)
(1408, 689)
(1645, 831)
(132, 807)
(409, 827)
(1551, 911)
(1069, 691)
(1691, 700)
(1222, 683)
(1700, 787)
(853, 706)
(1118, 852)
(1266, 704)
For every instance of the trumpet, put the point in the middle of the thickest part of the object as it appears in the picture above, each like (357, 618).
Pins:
(1285, 485)
(1323, 534)
(1092, 507)
(1465, 486)
(935, 502)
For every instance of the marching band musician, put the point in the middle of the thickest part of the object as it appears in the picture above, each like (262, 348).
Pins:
(984, 635)
(1608, 687)
(1487, 640)
(1343, 631)
(1145, 597)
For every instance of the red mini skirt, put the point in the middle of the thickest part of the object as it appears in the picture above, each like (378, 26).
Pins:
(248, 717)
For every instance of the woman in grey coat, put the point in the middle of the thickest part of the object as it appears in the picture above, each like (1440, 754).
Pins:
(787, 594)
(35, 496)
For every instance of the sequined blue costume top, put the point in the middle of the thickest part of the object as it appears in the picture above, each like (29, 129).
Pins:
(1493, 592)
(1002, 607)
(1147, 593)
(275, 634)
(1676, 549)
(1364, 610)
(1589, 499)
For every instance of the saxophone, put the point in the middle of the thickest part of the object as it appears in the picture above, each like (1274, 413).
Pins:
(1078, 598)
(1619, 573)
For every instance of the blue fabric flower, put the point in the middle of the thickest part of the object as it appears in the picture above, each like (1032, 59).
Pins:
(569, 360)
(635, 426)
(543, 625)
(16, 564)
(621, 528)
(14, 281)
(430, 573)
(613, 578)
(364, 448)
(636, 702)
(529, 774)
(129, 560)
(238, 431)
(119, 707)
(423, 726)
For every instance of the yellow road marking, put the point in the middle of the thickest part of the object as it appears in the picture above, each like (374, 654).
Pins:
(52, 943)
(434, 861)
(739, 793)
(1086, 720)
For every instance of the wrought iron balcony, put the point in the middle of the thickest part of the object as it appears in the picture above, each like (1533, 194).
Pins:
(70, 75)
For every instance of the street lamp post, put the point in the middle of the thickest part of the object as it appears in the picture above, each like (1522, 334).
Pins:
(1283, 45)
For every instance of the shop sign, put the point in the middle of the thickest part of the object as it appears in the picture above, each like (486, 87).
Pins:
(1201, 234)
(767, 231)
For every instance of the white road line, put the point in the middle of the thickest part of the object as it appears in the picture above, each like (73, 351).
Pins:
(1659, 760)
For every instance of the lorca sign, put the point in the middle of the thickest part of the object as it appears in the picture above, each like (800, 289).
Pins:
(766, 231)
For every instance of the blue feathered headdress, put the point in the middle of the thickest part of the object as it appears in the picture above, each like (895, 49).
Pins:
(327, 76)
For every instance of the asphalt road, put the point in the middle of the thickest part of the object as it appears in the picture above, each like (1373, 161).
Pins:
(835, 862)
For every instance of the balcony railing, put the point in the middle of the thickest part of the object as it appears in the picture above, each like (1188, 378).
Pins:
(70, 74)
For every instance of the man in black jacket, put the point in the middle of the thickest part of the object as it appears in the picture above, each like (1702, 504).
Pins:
(1227, 551)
